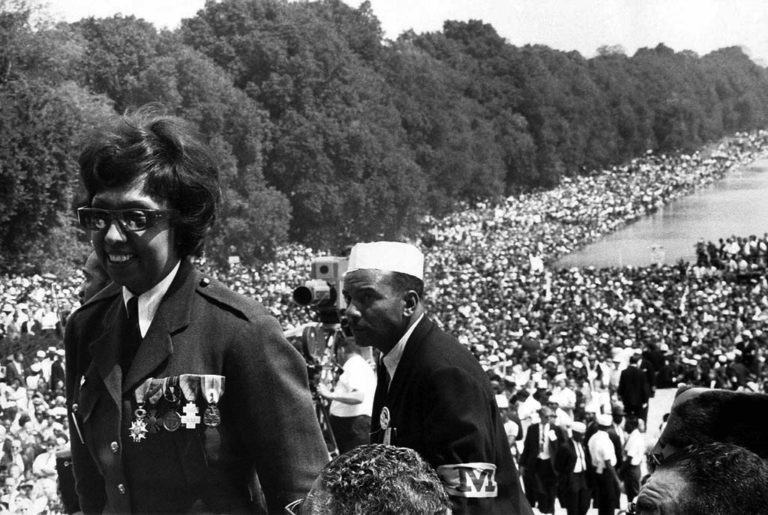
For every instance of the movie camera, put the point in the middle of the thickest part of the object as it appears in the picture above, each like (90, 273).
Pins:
(318, 341)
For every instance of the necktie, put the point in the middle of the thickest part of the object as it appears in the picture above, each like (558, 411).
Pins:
(542, 438)
(580, 464)
(383, 375)
(132, 338)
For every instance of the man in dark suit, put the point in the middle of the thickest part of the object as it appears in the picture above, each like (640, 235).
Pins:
(571, 464)
(634, 389)
(538, 461)
(432, 395)
(163, 339)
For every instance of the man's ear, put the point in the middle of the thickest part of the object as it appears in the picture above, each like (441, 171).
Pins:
(412, 300)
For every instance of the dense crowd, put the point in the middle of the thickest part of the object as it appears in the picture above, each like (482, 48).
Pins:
(488, 280)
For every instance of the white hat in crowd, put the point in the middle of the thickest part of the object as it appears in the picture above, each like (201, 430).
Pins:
(390, 256)
(604, 419)
(579, 427)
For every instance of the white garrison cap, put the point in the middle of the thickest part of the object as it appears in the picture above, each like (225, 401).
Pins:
(604, 419)
(391, 256)
(579, 427)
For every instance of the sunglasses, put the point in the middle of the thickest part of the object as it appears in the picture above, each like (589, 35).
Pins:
(131, 220)
(294, 508)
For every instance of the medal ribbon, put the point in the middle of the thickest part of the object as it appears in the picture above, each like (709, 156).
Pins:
(141, 392)
(156, 390)
(213, 387)
(190, 385)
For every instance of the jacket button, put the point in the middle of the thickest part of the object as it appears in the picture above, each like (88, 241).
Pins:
(121, 488)
(115, 447)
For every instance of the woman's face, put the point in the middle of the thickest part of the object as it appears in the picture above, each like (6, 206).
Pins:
(141, 259)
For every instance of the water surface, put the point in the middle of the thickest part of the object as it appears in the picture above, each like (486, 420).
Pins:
(738, 205)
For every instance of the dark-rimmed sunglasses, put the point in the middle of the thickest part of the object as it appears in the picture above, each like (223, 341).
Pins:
(294, 507)
(132, 220)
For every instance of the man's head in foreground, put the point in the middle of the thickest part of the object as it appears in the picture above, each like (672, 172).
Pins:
(376, 478)
(714, 479)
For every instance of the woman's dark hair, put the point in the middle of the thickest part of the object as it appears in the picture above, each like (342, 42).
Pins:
(178, 168)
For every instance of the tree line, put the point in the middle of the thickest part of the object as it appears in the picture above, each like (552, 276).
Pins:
(327, 133)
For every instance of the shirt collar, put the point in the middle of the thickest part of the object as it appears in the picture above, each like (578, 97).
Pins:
(392, 358)
(149, 301)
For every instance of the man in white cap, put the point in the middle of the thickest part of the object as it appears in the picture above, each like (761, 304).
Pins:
(603, 456)
(571, 464)
(432, 395)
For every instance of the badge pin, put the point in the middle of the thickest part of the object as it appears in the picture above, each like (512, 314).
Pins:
(384, 418)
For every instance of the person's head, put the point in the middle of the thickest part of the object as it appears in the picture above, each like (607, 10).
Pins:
(96, 277)
(151, 194)
(617, 412)
(714, 478)
(14, 471)
(631, 423)
(547, 415)
(345, 348)
(383, 289)
(578, 429)
(377, 479)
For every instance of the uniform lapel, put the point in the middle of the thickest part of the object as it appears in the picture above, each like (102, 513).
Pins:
(172, 316)
(105, 350)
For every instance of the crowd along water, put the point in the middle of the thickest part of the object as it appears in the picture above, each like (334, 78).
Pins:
(736, 205)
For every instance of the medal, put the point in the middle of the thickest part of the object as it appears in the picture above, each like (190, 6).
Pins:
(138, 430)
(171, 420)
(384, 418)
(211, 417)
(190, 385)
(152, 421)
(213, 388)
(190, 418)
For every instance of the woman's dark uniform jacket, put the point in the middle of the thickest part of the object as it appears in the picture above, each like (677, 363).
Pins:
(440, 404)
(268, 425)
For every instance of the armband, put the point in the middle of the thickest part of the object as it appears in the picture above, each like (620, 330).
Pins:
(471, 480)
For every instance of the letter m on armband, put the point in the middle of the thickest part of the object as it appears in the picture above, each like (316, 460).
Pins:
(469, 479)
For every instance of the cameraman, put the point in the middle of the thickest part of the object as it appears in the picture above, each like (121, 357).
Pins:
(352, 399)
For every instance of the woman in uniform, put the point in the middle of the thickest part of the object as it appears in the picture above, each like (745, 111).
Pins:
(183, 395)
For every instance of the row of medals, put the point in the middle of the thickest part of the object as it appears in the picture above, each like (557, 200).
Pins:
(148, 422)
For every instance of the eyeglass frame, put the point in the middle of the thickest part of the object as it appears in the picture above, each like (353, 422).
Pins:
(153, 217)
(294, 507)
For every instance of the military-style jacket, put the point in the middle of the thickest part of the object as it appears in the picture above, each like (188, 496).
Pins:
(440, 403)
(267, 430)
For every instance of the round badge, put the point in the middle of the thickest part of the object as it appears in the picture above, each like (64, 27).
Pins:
(384, 418)
(172, 421)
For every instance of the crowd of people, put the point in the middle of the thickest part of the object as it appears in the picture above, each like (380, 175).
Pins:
(532, 327)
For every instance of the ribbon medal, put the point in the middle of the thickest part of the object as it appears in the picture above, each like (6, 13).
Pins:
(190, 385)
(213, 388)
(138, 430)
(171, 419)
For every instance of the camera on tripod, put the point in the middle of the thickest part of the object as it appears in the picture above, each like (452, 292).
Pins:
(322, 292)
(318, 341)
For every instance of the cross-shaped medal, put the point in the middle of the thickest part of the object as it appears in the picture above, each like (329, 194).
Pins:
(190, 419)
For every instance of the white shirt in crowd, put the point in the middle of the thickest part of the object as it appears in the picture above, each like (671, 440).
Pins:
(357, 376)
(601, 450)
(635, 447)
